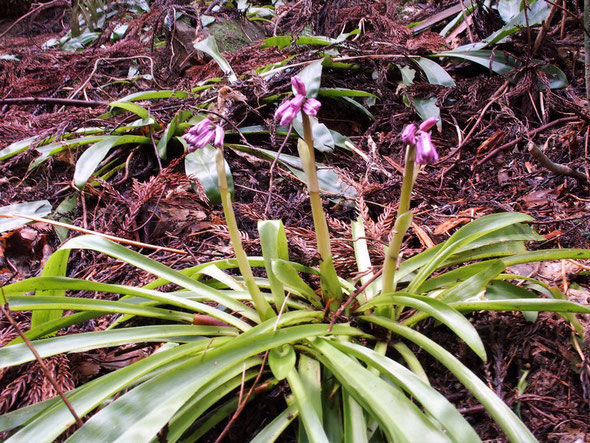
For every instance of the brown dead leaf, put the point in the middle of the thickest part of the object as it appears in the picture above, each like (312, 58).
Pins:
(492, 141)
(423, 236)
(461, 218)
(537, 198)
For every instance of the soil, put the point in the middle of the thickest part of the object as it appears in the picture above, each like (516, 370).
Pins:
(485, 169)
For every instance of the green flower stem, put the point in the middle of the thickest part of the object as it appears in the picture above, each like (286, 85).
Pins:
(262, 306)
(402, 223)
(331, 289)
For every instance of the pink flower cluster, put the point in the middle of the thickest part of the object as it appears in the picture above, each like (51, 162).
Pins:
(204, 133)
(289, 109)
(420, 137)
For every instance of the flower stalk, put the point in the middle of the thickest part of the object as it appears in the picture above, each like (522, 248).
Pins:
(331, 289)
(419, 150)
(401, 226)
(262, 306)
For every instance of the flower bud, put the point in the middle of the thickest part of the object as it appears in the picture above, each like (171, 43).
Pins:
(428, 124)
(409, 134)
(299, 86)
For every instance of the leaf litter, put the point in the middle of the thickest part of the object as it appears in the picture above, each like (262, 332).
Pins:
(478, 173)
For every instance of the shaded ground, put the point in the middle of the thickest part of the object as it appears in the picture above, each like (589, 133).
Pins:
(478, 174)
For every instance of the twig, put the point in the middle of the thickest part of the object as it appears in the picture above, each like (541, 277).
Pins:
(544, 29)
(111, 59)
(530, 135)
(32, 11)
(555, 167)
(272, 169)
(87, 231)
(587, 46)
(5, 308)
(22, 101)
(353, 297)
(467, 22)
(493, 100)
(242, 404)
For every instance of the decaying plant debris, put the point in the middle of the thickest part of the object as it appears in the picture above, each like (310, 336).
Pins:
(481, 172)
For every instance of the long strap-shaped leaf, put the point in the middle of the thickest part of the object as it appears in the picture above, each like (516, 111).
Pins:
(437, 309)
(20, 353)
(50, 302)
(47, 425)
(463, 236)
(398, 417)
(515, 430)
(458, 429)
(65, 283)
(522, 304)
(309, 416)
(142, 412)
(147, 264)
(275, 428)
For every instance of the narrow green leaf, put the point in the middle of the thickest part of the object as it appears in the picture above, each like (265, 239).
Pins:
(398, 417)
(140, 111)
(18, 354)
(307, 412)
(515, 430)
(55, 266)
(273, 241)
(437, 309)
(272, 431)
(169, 132)
(39, 208)
(355, 425)
(150, 95)
(17, 147)
(524, 304)
(56, 303)
(458, 429)
(467, 234)
(91, 158)
(343, 92)
(288, 276)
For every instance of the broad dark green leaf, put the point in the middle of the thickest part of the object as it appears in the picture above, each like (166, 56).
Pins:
(200, 165)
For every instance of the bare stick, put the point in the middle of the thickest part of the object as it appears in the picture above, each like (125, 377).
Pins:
(32, 11)
(272, 169)
(88, 231)
(5, 308)
(555, 167)
(242, 404)
(22, 101)
(587, 46)
(353, 297)
(544, 29)
(530, 135)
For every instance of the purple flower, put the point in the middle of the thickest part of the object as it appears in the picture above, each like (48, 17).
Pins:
(409, 134)
(428, 124)
(289, 109)
(203, 133)
(425, 150)
(420, 138)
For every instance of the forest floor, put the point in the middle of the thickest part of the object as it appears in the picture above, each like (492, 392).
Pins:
(485, 167)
